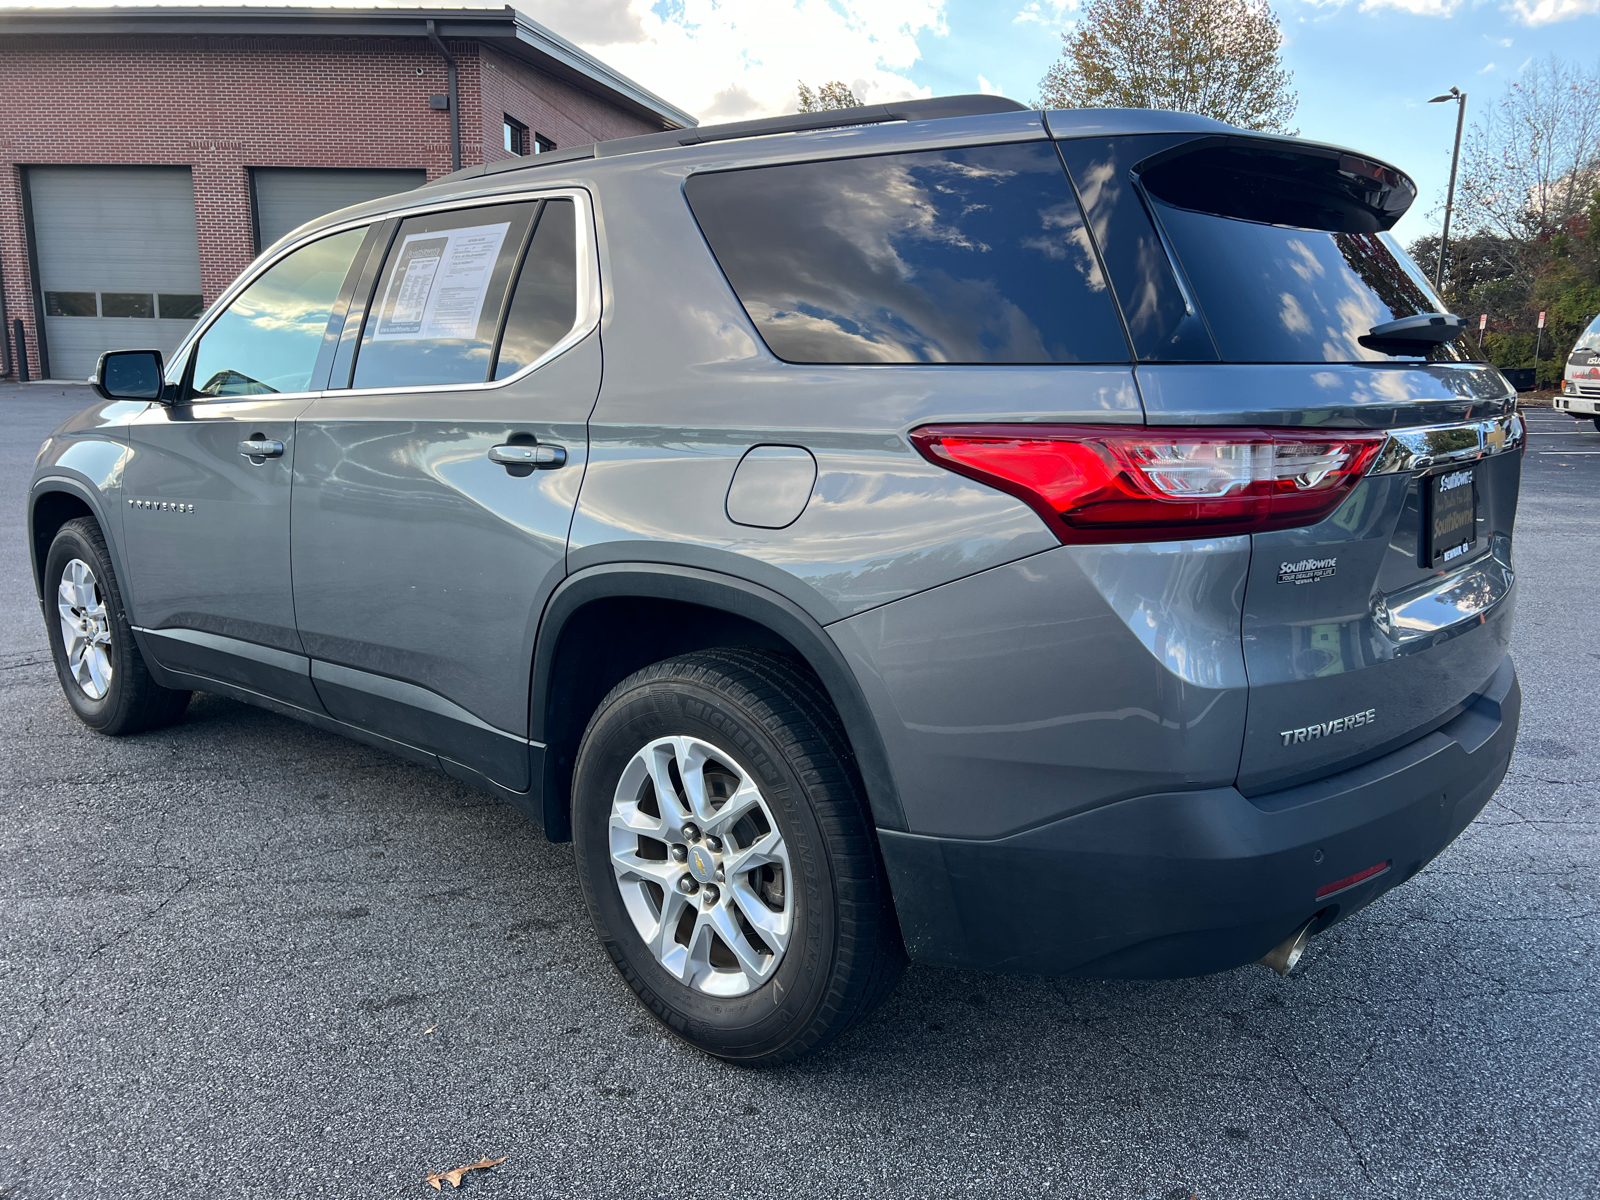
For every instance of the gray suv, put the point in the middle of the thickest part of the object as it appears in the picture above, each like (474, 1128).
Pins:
(1072, 542)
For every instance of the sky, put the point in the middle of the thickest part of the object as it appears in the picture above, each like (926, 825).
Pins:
(1364, 69)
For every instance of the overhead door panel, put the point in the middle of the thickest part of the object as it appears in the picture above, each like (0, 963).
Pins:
(119, 260)
(288, 197)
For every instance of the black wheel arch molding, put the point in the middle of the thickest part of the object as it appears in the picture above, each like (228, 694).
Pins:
(86, 493)
(576, 617)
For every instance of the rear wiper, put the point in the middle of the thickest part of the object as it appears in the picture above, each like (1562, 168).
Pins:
(1414, 335)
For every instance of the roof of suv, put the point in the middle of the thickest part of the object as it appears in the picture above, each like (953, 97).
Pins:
(882, 128)
(1061, 123)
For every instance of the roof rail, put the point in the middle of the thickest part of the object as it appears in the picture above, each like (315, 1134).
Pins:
(872, 114)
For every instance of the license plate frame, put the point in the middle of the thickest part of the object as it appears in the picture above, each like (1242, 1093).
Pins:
(1449, 515)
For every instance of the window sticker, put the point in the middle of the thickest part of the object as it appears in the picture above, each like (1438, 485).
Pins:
(438, 284)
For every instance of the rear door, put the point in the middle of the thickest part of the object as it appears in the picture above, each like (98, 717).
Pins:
(435, 480)
(208, 484)
(1256, 275)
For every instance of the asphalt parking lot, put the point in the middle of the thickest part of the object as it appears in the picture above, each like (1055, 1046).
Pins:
(242, 958)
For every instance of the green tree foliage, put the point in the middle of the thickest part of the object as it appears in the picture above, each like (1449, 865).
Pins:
(1218, 58)
(831, 95)
(1529, 208)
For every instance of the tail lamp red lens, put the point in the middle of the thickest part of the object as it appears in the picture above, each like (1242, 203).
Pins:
(1138, 484)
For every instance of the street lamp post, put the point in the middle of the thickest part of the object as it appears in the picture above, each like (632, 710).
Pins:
(1460, 99)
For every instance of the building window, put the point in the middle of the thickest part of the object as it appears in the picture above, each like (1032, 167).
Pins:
(516, 136)
(542, 144)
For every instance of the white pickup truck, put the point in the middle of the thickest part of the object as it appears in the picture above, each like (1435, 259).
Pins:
(1580, 382)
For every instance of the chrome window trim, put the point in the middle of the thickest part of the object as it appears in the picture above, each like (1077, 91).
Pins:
(1427, 446)
(588, 277)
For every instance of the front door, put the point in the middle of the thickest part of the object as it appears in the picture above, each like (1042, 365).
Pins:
(434, 493)
(207, 486)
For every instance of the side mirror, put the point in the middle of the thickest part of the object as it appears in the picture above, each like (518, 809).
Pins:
(128, 375)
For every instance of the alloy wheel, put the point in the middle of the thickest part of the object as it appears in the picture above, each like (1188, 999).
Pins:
(702, 866)
(85, 628)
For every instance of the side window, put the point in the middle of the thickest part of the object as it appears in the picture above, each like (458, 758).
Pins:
(544, 307)
(976, 255)
(1159, 318)
(439, 297)
(268, 339)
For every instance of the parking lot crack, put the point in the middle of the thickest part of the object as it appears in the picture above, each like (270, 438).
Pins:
(46, 1010)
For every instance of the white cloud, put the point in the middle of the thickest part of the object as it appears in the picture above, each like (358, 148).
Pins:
(987, 88)
(1485, 69)
(1419, 8)
(1544, 12)
(1051, 14)
(729, 60)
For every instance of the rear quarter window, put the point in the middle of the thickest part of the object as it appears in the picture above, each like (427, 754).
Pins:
(1275, 293)
(974, 255)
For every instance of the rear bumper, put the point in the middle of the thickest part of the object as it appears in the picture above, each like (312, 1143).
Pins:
(1186, 883)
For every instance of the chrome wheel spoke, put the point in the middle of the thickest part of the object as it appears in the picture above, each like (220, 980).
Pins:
(663, 938)
(746, 799)
(766, 849)
(754, 965)
(772, 926)
(736, 938)
(629, 864)
(659, 760)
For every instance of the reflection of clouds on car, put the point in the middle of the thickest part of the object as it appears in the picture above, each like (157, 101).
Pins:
(887, 259)
(232, 383)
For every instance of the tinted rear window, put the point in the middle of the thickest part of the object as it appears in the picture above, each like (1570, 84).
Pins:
(976, 255)
(1275, 293)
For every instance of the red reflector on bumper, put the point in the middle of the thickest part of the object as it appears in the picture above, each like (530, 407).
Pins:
(1349, 881)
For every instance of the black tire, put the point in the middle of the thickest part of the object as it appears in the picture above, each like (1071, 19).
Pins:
(1597, 423)
(132, 702)
(775, 722)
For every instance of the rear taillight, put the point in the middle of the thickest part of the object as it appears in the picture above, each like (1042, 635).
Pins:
(1137, 484)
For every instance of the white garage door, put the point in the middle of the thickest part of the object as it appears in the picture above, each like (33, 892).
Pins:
(119, 262)
(288, 197)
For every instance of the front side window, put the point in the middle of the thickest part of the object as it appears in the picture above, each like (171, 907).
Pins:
(268, 339)
(975, 255)
(440, 296)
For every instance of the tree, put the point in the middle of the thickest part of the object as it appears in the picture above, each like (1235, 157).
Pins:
(834, 94)
(1218, 58)
(1531, 163)
(1528, 202)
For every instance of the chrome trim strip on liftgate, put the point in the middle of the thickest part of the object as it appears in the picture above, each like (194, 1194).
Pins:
(1439, 445)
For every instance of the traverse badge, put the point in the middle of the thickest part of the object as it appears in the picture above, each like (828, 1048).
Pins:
(1307, 570)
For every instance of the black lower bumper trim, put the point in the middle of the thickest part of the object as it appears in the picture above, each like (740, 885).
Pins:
(1186, 883)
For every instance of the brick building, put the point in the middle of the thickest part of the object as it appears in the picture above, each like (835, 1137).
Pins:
(148, 154)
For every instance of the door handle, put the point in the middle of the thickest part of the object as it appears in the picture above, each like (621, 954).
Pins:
(542, 458)
(260, 449)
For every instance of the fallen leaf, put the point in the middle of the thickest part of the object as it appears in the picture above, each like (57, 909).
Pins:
(483, 1164)
(430, 1029)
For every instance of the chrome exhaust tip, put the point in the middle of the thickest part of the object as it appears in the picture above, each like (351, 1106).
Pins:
(1283, 957)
